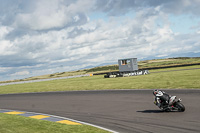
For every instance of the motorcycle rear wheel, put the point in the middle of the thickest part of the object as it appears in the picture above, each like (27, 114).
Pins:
(180, 107)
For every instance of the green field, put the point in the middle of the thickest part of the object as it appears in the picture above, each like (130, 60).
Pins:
(20, 124)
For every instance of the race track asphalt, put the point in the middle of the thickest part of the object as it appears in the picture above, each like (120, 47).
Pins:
(124, 111)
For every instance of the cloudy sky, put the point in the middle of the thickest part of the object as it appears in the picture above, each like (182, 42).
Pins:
(47, 36)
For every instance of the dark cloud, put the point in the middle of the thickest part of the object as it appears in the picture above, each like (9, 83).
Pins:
(17, 61)
(121, 7)
(116, 7)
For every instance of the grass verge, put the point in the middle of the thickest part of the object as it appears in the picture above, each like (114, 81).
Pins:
(173, 79)
(20, 124)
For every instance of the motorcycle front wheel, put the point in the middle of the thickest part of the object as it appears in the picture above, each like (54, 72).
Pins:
(180, 107)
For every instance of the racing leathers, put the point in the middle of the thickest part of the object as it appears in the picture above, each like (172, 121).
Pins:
(162, 100)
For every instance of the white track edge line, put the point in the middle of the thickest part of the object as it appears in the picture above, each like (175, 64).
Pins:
(85, 123)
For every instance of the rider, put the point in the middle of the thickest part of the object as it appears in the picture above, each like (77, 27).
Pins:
(161, 99)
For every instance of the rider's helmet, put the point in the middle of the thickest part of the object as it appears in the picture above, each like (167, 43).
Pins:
(155, 92)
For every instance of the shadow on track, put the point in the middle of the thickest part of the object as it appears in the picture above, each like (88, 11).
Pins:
(151, 111)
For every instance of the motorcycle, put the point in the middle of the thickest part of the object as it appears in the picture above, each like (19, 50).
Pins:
(174, 105)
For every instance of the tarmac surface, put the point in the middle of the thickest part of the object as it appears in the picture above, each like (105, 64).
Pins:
(124, 111)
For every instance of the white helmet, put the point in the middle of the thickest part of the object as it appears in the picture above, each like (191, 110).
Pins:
(155, 92)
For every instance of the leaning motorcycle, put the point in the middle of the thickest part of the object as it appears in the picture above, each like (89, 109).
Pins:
(174, 105)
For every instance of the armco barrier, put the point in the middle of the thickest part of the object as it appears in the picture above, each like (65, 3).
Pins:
(40, 80)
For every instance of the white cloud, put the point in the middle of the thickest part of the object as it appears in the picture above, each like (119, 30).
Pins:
(20, 73)
(4, 31)
(47, 14)
(44, 37)
(162, 55)
(53, 14)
